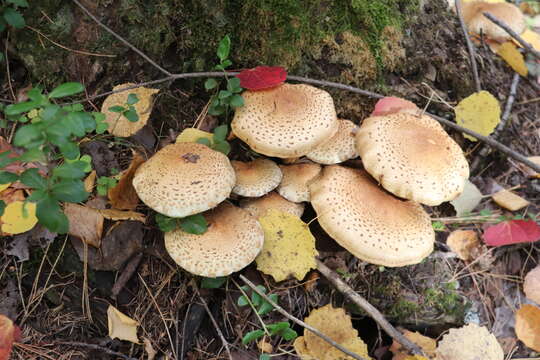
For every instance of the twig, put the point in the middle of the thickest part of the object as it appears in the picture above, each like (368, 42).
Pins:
(127, 273)
(513, 34)
(484, 151)
(470, 46)
(216, 326)
(96, 347)
(367, 307)
(300, 322)
(125, 42)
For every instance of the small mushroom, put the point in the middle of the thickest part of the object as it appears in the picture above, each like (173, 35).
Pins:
(184, 179)
(470, 342)
(296, 178)
(340, 147)
(259, 206)
(233, 240)
(256, 178)
(478, 24)
(412, 157)
(369, 222)
(286, 121)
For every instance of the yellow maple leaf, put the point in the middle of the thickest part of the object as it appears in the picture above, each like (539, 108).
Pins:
(119, 125)
(192, 135)
(18, 217)
(509, 52)
(121, 326)
(479, 112)
(289, 246)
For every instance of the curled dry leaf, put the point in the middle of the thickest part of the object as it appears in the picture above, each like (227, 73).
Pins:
(86, 223)
(18, 217)
(512, 232)
(193, 134)
(528, 326)
(509, 200)
(479, 112)
(115, 215)
(262, 77)
(9, 333)
(531, 285)
(90, 181)
(427, 344)
(289, 246)
(467, 200)
(121, 326)
(470, 342)
(465, 244)
(123, 196)
(335, 324)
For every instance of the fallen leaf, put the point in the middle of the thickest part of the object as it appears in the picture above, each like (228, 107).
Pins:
(509, 200)
(9, 333)
(119, 125)
(18, 247)
(262, 77)
(289, 246)
(11, 195)
(115, 215)
(389, 105)
(467, 200)
(509, 52)
(531, 285)
(512, 232)
(192, 135)
(465, 244)
(121, 326)
(528, 326)
(123, 196)
(86, 223)
(4, 186)
(335, 324)
(90, 181)
(427, 344)
(414, 357)
(468, 343)
(18, 217)
(531, 37)
(479, 112)
(150, 351)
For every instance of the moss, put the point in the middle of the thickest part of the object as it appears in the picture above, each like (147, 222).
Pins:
(403, 309)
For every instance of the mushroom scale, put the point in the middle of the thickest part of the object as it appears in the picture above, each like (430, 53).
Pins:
(233, 240)
(478, 24)
(367, 221)
(339, 148)
(184, 179)
(412, 157)
(256, 178)
(286, 121)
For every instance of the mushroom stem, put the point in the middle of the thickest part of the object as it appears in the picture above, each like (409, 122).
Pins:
(290, 160)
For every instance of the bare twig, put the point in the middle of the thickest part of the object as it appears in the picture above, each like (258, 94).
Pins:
(513, 34)
(127, 273)
(96, 347)
(125, 42)
(470, 46)
(300, 322)
(367, 307)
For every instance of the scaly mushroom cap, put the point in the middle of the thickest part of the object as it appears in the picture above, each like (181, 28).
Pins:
(339, 148)
(367, 221)
(258, 207)
(412, 157)
(296, 178)
(184, 179)
(286, 121)
(256, 178)
(506, 12)
(471, 342)
(233, 240)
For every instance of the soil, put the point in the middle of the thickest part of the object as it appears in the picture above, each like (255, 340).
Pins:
(62, 307)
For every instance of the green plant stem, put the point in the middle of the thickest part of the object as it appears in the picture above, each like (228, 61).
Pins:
(253, 306)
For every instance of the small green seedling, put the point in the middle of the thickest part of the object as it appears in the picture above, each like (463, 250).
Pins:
(10, 14)
(438, 226)
(104, 184)
(128, 110)
(213, 283)
(219, 141)
(193, 224)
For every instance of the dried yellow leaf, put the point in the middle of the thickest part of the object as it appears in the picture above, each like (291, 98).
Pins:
(289, 246)
(192, 135)
(119, 125)
(90, 181)
(509, 52)
(509, 200)
(470, 342)
(427, 344)
(18, 217)
(415, 357)
(121, 326)
(85, 223)
(4, 186)
(335, 324)
(113, 214)
(532, 38)
(479, 112)
(528, 326)
(464, 243)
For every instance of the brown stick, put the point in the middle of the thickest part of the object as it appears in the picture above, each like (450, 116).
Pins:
(300, 322)
(96, 347)
(367, 307)
(127, 273)
(470, 46)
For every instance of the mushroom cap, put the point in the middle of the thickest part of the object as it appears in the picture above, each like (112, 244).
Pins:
(470, 342)
(286, 121)
(256, 178)
(296, 178)
(369, 222)
(412, 157)
(477, 23)
(531, 285)
(233, 240)
(184, 179)
(339, 148)
(259, 206)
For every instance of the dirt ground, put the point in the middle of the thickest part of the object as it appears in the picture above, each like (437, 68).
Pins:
(61, 307)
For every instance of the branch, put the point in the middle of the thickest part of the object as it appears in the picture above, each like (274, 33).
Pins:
(300, 322)
(472, 53)
(96, 347)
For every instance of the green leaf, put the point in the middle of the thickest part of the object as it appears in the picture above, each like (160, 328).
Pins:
(209, 84)
(252, 336)
(70, 191)
(2, 207)
(8, 177)
(242, 301)
(194, 224)
(266, 307)
(237, 101)
(213, 283)
(16, 109)
(165, 223)
(216, 110)
(233, 85)
(3, 26)
(37, 195)
(264, 357)
(224, 94)
(289, 334)
(50, 215)
(224, 48)
(101, 127)
(21, 3)
(203, 141)
(256, 299)
(223, 147)
(27, 134)
(278, 327)
(70, 170)
(226, 63)
(70, 150)
(131, 115)
(32, 178)
(117, 109)
(32, 155)
(220, 133)
(14, 18)
(66, 89)
(36, 94)
(132, 99)
(49, 112)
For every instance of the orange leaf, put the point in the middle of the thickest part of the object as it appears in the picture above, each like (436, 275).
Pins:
(123, 196)
(85, 223)
(9, 333)
(528, 326)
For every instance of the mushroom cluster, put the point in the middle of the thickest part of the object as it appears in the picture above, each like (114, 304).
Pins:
(374, 212)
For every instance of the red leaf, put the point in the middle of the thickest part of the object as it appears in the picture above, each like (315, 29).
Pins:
(262, 77)
(512, 232)
(390, 104)
(8, 334)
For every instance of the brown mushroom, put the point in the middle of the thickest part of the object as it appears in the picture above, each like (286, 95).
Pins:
(296, 178)
(259, 206)
(339, 148)
(256, 178)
